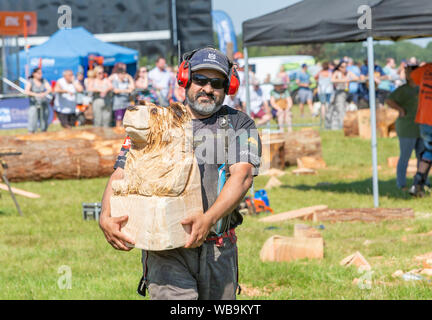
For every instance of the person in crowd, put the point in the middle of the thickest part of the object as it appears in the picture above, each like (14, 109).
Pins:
(386, 85)
(122, 86)
(66, 89)
(281, 102)
(401, 73)
(325, 87)
(304, 93)
(141, 79)
(259, 107)
(413, 61)
(282, 74)
(353, 87)
(405, 100)
(160, 78)
(336, 113)
(364, 86)
(37, 88)
(422, 77)
(90, 77)
(241, 90)
(100, 87)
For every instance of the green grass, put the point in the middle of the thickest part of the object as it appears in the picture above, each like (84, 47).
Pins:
(52, 233)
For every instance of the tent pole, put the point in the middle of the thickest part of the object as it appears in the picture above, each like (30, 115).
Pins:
(372, 104)
(246, 77)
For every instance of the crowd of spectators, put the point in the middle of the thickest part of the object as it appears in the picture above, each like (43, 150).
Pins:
(98, 97)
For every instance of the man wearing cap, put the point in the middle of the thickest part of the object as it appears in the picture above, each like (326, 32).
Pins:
(206, 268)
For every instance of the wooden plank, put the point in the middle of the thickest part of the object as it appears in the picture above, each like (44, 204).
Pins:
(278, 248)
(363, 214)
(20, 192)
(293, 214)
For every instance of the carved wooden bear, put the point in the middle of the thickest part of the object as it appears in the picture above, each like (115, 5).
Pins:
(162, 183)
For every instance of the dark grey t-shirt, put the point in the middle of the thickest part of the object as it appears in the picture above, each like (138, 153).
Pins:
(244, 145)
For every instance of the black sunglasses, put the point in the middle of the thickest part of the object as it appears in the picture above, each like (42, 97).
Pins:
(201, 80)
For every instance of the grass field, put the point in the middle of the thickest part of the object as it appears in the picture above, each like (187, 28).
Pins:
(53, 234)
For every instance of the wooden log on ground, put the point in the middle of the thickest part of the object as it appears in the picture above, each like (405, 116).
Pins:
(20, 192)
(363, 214)
(293, 214)
(357, 123)
(300, 143)
(279, 248)
(66, 154)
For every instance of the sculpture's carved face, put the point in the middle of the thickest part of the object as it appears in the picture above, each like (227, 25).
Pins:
(144, 123)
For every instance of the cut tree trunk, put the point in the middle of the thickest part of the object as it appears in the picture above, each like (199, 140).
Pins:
(66, 154)
(301, 143)
(279, 248)
(357, 123)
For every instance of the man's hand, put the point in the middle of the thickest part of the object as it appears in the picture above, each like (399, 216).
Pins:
(199, 225)
(111, 228)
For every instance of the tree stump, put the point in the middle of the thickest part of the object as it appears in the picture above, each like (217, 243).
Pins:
(357, 123)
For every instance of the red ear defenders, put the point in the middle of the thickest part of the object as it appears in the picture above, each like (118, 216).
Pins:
(184, 75)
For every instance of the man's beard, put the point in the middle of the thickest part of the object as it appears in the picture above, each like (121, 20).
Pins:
(204, 109)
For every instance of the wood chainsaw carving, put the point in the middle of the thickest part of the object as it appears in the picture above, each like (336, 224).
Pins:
(162, 183)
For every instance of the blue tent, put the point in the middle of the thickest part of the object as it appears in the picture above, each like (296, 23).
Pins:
(70, 49)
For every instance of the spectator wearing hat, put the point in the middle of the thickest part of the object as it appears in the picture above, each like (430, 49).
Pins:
(259, 107)
(281, 102)
(304, 93)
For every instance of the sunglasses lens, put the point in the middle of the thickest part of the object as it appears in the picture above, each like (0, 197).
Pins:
(201, 80)
(217, 83)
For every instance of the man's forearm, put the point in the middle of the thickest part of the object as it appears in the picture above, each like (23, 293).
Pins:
(232, 193)
(106, 206)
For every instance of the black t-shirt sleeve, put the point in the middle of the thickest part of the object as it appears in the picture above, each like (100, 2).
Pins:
(121, 158)
(244, 141)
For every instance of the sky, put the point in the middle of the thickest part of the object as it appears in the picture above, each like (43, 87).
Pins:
(241, 10)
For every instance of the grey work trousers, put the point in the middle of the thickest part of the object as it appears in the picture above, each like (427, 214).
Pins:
(205, 273)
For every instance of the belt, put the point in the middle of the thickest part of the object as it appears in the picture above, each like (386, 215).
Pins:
(219, 239)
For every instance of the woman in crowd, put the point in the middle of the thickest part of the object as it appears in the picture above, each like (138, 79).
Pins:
(37, 88)
(141, 79)
(336, 113)
(325, 87)
(280, 100)
(122, 85)
(100, 87)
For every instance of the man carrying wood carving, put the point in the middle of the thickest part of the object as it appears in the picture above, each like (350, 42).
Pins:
(206, 268)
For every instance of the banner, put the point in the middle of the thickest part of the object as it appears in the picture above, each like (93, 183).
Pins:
(225, 30)
(14, 23)
(13, 113)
